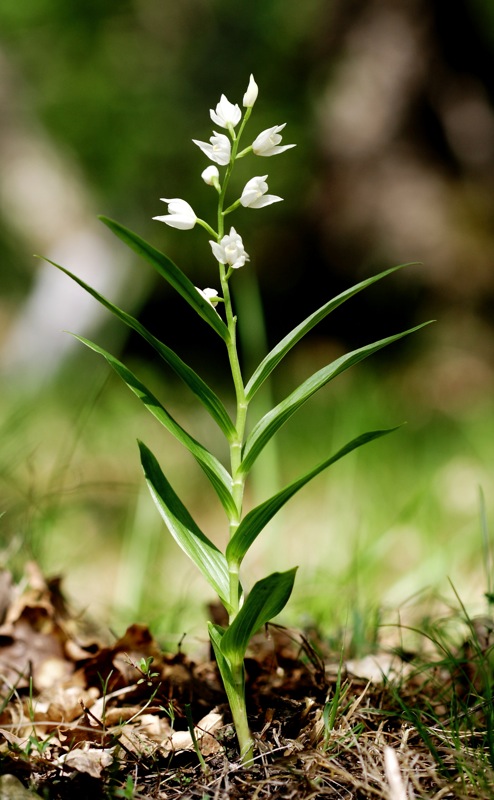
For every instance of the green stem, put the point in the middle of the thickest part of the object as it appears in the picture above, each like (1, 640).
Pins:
(236, 444)
(229, 169)
(236, 698)
(233, 677)
(233, 674)
(238, 478)
(206, 227)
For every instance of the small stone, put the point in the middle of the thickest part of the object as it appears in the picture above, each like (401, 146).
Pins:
(12, 789)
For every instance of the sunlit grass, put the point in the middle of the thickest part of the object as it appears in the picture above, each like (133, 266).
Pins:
(396, 518)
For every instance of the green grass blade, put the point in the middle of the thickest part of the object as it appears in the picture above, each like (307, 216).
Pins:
(274, 419)
(284, 346)
(267, 598)
(203, 392)
(171, 273)
(258, 518)
(205, 555)
(215, 471)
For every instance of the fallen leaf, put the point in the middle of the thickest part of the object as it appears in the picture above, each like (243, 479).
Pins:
(90, 760)
(204, 732)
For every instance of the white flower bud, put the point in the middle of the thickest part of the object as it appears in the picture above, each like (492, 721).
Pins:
(250, 95)
(210, 295)
(211, 175)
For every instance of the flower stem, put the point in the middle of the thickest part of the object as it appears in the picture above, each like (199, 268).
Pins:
(234, 675)
(236, 698)
(238, 479)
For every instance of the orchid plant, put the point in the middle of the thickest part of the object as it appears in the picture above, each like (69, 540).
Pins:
(246, 613)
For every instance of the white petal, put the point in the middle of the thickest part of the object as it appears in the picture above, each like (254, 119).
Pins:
(267, 143)
(218, 252)
(275, 150)
(178, 206)
(183, 223)
(205, 147)
(265, 200)
(219, 149)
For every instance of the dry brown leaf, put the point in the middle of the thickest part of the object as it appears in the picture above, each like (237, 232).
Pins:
(204, 732)
(15, 739)
(134, 741)
(156, 728)
(34, 632)
(101, 706)
(63, 703)
(91, 760)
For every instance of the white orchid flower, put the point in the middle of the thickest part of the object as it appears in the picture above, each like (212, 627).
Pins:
(250, 95)
(230, 250)
(211, 176)
(180, 214)
(210, 295)
(267, 143)
(226, 114)
(219, 149)
(254, 194)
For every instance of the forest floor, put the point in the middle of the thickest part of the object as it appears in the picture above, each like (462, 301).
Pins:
(86, 719)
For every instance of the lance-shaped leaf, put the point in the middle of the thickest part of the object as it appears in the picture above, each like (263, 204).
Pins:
(201, 550)
(171, 273)
(267, 598)
(274, 419)
(216, 633)
(273, 358)
(258, 518)
(215, 471)
(208, 398)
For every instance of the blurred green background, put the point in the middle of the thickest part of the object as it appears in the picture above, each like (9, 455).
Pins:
(391, 108)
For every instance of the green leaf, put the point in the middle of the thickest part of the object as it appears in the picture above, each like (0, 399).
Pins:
(216, 633)
(267, 598)
(171, 273)
(208, 398)
(274, 419)
(215, 471)
(284, 346)
(205, 555)
(258, 518)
